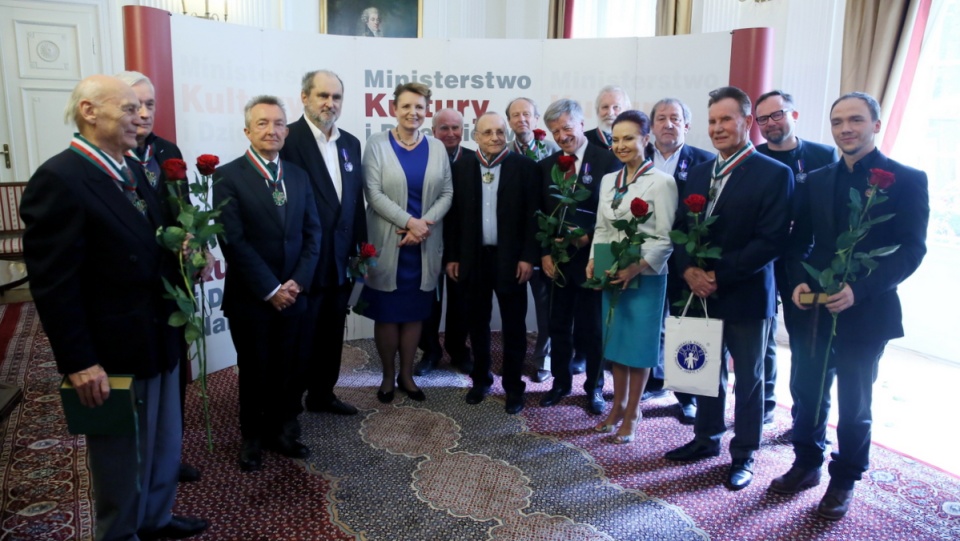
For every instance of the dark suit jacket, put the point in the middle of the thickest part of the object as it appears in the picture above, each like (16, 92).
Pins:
(261, 252)
(689, 157)
(517, 201)
(594, 138)
(876, 314)
(165, 150)
(95, 269)
(343, 220)
(753, 218)
(814, 156)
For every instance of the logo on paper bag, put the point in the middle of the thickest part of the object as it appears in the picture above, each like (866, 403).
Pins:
(691, 356)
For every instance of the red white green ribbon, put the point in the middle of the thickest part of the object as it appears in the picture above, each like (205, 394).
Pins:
(622, 183)
(723, 168)
(94, 155)
(260, 165)
(495, 161)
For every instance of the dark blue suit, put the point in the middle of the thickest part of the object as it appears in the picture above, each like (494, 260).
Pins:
(753, 218)
(863, 329)
(95, 274)
(264, 246)
(574, 306)
(807, 156)
(344, 227)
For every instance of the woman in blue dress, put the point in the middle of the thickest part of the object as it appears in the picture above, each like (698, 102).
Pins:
(408, 188)
(633, 341)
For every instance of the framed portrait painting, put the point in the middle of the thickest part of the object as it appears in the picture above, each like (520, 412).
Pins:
(372, 18)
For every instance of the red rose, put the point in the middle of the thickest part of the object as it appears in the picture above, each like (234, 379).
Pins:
(207, 164)
(639, 207)
(881, 179)
(695, 203)
(565, 163)
(174, 169)
(368, 250)
(539, 135)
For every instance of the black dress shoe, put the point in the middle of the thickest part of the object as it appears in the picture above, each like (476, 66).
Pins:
(835, 503)
(541, 376)
(795, 480)
(653, 395)
(414, 395)
(476, 394)
(251, 457)
(692, 451)
(514, 403)
(426, 364)
(287, 447)
(688, 414)
(188, 473)
(335, 406)
(595, 403)
(578, 366)
(385, 397)
(178, 528)
(553, 396)
(741, 473)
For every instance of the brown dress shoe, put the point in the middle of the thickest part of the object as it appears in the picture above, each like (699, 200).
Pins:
(835, 503)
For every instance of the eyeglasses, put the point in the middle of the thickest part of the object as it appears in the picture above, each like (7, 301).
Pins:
(492, 133)
(776, 115)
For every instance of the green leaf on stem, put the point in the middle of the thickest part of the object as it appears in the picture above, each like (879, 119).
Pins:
(886, 250)
(177, 319)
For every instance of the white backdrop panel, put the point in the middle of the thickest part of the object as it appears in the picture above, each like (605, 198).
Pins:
(217, 68)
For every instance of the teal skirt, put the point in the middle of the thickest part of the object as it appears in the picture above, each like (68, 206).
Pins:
(632, 338)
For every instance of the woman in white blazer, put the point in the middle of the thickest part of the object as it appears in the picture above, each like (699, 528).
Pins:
(633, 341)
(408, 188)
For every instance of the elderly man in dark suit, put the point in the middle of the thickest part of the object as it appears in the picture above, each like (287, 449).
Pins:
(490, 247)
(331, 158)
(671, 122)
(90, 212)
(777, 117)
(868, 309)
(271, 241)
(749, 194)
(150, 153)
(572, 304)
(611, 101)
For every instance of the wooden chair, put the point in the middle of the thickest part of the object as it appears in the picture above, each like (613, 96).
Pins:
(11, 228)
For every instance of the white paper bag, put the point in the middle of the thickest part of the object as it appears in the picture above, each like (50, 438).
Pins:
(692, 353)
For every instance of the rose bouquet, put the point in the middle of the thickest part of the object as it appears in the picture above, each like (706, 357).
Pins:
(191, 240)
(556, 233)
(694, 240)
(847, 263)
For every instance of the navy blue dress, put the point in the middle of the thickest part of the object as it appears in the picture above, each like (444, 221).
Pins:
(407, 303)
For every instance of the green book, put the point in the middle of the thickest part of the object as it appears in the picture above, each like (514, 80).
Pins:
(117, 416)
(603, 260)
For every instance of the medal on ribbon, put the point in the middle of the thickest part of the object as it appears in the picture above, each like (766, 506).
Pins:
(622, 184)
(274, 179)
(682, 175)
(347, 166)
(144, 162)
(801, 174)
(490, 164)
(586, 178)
(126, 180)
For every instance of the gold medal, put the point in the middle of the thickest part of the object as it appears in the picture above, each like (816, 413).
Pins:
(487, 177)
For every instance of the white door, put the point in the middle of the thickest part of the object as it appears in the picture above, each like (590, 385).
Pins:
(45, 49)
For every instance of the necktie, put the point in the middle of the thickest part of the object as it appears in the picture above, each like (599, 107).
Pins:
(272, 167)
(275, 187)
(131, 194)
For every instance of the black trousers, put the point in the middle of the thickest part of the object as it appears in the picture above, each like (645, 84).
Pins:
(270, 353)
(574, 306)
(513, 312)
(327, 317)
(457, 322)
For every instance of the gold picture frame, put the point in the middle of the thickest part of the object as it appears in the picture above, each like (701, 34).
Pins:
(392, 18)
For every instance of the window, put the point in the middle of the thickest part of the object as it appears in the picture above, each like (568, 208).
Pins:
(929, 139)
(614, 18)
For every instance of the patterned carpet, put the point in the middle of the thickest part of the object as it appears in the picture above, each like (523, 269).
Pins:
(445, 470)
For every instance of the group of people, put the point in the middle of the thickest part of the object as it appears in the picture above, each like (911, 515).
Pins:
(300, 202)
